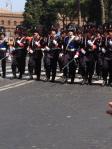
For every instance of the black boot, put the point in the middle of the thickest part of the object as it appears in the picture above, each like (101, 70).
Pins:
(14, 76)
(38, 78)
(64, 79)
(52, 80)
(20, 76)
(4, 75)
(90, 81)
(30, 77)
(72, 80)
(84, 81)
(104, 82)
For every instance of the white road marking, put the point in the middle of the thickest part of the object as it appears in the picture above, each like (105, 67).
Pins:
(59, 75)
(12, 84)
(15, 86)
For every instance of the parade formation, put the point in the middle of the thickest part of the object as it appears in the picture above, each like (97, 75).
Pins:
(86, 50)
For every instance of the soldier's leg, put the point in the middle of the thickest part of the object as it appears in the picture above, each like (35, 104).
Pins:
(47, 65)
(53, 68)
(38, 68)
(20, 61)
(22, 66)
(91, 71)
(65, 70)
(65, 74)
(105, 69)
(72, 71)
(97, 68)
(31, 65)
(83, 70)
(60, 64)
(100, 62)
(14, 66)
(4, 67)
(110, 73)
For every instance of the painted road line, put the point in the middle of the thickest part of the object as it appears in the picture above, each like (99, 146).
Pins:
(15, 86)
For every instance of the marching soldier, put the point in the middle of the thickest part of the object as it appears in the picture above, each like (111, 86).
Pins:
(35, 55)
(107, 62)
(99, 55)
(62, 52)
(87, 58)
(3, 53)
(19, 55)
(71, 45)
(51, 54)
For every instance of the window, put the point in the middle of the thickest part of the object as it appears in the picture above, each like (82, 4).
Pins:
(15, 23)
(2, 22)
(21, 22)
(9, 22)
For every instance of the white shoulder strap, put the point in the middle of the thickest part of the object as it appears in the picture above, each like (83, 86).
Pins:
(69, 41)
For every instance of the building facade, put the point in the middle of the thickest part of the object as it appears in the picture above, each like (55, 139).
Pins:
(10, 20)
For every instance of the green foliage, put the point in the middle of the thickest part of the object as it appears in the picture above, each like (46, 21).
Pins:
(39, 12)
(33, 11)
(46, 12)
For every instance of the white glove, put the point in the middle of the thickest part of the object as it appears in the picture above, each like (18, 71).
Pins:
(12, 49)
(31, 51)
(37, 43)
(55, 42)
(61, 54)
(7, 54)
(47, 48)
(77, 38)
(90, 43)
(83, 51)
(76, 56)
(110, 42)
(103, 50)
(9, 58)
(42, 49)
(18, 41)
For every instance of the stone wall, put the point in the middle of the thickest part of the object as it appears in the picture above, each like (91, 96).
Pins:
(10, 20)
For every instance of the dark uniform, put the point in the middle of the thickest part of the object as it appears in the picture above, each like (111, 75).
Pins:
(19, 56)
(71, 46)
(3, 51)
(107, 62)
(62, 51)
(51, 54)
(87, 60)
(99, 56)
(35, 57)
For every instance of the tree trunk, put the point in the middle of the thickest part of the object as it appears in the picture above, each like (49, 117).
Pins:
(103, 17)
(109, 11)
(79, 13)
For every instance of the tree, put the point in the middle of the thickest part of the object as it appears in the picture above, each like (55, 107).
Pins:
(79, 13)
(108, 10)
(102, 7)
(66, 10)
(48, 18)
(33, 11)
(39, 12)
(48, 12)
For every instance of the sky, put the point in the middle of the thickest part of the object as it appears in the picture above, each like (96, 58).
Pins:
(18, 5)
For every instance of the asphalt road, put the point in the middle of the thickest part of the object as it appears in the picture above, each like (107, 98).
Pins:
(42, 115)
